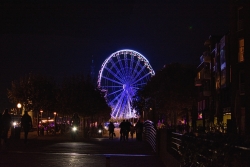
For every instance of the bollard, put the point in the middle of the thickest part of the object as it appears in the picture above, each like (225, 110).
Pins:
(107, 161)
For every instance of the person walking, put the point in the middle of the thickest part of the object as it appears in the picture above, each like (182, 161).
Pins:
(132, 131)
(122, 130)
(26, 124)
(6, 124)
(111, 128)
(128, 126)
(139, 130)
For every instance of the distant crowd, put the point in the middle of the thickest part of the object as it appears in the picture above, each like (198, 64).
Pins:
(127, 128)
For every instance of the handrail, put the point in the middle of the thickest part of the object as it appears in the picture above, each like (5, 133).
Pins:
(177, 147)
(150, 134)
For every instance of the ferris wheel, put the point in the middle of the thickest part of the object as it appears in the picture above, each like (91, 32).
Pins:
(121, 75)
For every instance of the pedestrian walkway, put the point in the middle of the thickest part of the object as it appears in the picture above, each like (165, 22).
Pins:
(95, 152)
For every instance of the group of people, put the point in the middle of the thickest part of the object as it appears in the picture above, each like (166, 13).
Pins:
(125, 128)
(5, 124)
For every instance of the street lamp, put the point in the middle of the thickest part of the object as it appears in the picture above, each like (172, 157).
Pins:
(19, 107)
(41, 111)
(55, 122)
(55, 117)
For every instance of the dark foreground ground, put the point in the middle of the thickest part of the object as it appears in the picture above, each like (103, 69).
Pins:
(60, 150)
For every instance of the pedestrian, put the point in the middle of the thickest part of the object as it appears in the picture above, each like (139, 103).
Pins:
(26, 124)
(139, 129)
(6, 124)
(132, 131)
(122, 130)
(127, 126)
(111, 128)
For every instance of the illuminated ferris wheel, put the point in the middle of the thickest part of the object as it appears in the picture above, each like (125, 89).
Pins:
(121, 75)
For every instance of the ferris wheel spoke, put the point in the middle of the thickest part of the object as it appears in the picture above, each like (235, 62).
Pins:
(116, 98)
(115, 92)
(135, 69)
(112, 80)
(138, 74)
(118, 105)
(116, 76)
(141, 78)
(126, 64)
(137, 86)
(131, 65)
(124, 105)
(129, 107)
(130, 96)
(112, 86)
(116, 68)
(116, 109)
(121, 65)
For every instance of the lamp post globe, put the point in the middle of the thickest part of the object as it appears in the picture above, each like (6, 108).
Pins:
(55, 122)
(41, 111)
(19, 105)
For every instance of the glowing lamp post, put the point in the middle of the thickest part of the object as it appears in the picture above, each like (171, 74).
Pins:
(41, 111)
(55, 121)
(19, 107)
(55, 117)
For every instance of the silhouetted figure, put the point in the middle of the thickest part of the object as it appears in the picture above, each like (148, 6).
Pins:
(111, 129)
(139, 129)
(122, 130)
(132, 131)
(6, 124)
(26, 124)
(128, 126)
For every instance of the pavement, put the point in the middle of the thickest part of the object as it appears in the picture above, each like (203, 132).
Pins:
(60, 150)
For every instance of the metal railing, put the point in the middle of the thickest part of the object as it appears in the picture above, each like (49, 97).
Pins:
(207, 150)
(150, 133)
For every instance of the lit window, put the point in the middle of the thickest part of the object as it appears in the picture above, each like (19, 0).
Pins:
(241, 50)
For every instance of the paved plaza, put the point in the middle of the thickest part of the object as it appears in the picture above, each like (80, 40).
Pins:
(60, 150)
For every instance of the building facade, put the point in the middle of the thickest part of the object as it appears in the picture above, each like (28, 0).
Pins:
(223, 76)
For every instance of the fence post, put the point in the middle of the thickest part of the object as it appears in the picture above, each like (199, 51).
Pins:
(107, 161)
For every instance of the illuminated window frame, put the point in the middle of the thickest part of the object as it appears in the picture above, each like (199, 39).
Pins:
(241, 50)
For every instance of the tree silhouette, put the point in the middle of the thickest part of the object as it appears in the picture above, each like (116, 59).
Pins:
(169, 92)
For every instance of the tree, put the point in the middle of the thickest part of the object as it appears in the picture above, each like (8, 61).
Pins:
(78, 94)
(170, 91)
(34, 91)
(75, 94)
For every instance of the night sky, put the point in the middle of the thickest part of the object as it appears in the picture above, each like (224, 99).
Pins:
(59, 39)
